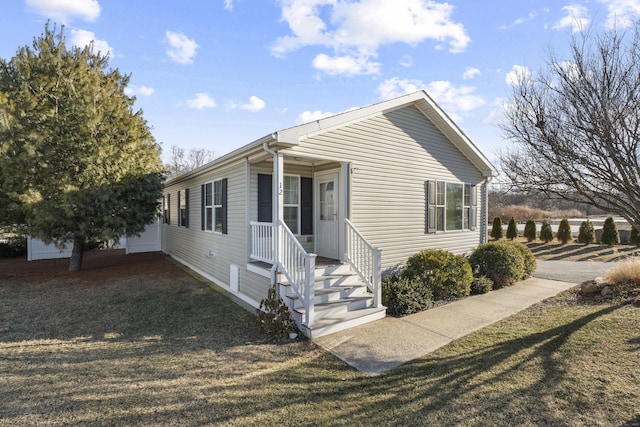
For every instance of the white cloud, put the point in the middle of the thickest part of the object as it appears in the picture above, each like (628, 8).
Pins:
(201, 101)
(133, 90)
(621, 13)
(522, 20)
(255, 104)
(65, 10)
(454, 100)
(346, 65)
(82, 38)
(517, 73)
(312, 116)
(228, 5)
(406, 61)
(470, 73)
(576, 19)
(181, 49)
(356, 29)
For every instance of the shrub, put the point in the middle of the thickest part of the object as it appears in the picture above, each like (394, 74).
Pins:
(587, 234)
(405, 295)
(445, 274)
(481, 285)
(530, 230)
(624, 272)
(496, 230)
(610, 235)
(14, 246)
(546, 234)
(502, 262)
(634, 237)
(529, 259)
(564, 231)
(273, 317)
(512, 229)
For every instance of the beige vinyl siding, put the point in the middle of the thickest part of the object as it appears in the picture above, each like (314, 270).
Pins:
(392, 157)
(192, 245)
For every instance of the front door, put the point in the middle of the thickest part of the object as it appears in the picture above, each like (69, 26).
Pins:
(327, 218)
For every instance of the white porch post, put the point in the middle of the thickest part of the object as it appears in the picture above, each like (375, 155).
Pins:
(278, 205)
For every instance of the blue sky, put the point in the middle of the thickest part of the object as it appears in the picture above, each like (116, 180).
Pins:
(218, 74)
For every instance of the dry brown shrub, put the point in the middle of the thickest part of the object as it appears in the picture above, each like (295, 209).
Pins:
(625, 271)
(525, 212)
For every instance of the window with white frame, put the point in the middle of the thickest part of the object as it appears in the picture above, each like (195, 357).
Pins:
(183, 208)
(451, 206)
(291, 201)
(208, 206)
(214, 200)
(217, 205)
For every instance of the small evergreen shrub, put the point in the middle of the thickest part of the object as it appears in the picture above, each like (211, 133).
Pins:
(634, 237)
(610, 235)
(546, 233)
(587, 233)
(481, 285)
(496, 230)
(512, 229)
(405, 295)
(502, 262)
(564, 231)
(530, 230)
(273, 317)
(445, 274)
(529, 259)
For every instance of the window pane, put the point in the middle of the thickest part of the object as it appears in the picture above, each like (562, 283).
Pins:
(291, 190)
(218, 219)
(327, 204)
(465, 217)
(209, 221)
(291, 218)
(467, 195)
(217, 193)
(454, 207)
(208, 194)
(440, 193)
(440, 218)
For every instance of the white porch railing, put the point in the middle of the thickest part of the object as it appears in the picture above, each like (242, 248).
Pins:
(298, 267)
(262, 241)
(294, 262)
(365, 260)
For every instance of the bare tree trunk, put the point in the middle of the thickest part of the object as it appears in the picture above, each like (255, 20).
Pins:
(75, 263)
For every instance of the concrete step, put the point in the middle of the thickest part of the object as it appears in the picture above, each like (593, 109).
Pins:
(333, 308)
(331, 324)
(324, 295)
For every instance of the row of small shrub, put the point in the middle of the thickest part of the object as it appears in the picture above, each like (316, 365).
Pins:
(586, 234)
(435, 274)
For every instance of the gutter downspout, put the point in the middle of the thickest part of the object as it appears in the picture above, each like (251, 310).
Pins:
(276, 261)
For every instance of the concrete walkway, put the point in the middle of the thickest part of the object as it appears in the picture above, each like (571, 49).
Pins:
(387, 343)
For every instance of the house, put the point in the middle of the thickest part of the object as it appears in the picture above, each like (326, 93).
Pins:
(322, 209)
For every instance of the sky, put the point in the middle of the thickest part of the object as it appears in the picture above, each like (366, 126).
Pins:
(219, 74)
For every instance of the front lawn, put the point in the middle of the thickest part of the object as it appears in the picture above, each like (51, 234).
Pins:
(133, 340)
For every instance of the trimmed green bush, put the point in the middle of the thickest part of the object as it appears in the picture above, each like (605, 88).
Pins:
(512, 229)
(404, 295)
(530, 230)
(587, 233)
(634, 237)
(502, 262)
(445, 274)
(564, 231)
(610, 235)
(481, 285)
(496, 230)
(546, 233)
(529, 259)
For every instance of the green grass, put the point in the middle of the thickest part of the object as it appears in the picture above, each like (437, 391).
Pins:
(161, 348)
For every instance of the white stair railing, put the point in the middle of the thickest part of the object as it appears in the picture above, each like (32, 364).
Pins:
(262, 241)
(365, 260)
(298, 267)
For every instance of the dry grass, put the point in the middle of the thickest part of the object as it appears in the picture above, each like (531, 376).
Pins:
(150, 345)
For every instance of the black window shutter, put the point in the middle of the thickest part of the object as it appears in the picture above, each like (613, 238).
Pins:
(306, 206)
(473, 211)
(186, 205)
(202, 213)
(430, 186)
(224, 205)
(265, 206)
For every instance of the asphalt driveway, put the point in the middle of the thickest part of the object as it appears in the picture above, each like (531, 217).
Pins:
(571, 271)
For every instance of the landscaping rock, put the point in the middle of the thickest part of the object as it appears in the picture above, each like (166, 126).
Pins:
(607, 292)
(589, 288)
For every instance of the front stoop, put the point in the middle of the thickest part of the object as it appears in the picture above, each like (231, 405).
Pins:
(341, 302)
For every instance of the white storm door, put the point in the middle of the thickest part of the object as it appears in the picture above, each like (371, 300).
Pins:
(327, 236)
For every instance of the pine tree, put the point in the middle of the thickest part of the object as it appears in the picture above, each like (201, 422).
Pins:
(610, 235)
(512, 229)
(634, 237)
(564, 231)
(587, 233)
(546, 233)
(530, 230)
(496, 230)
(77, 163)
